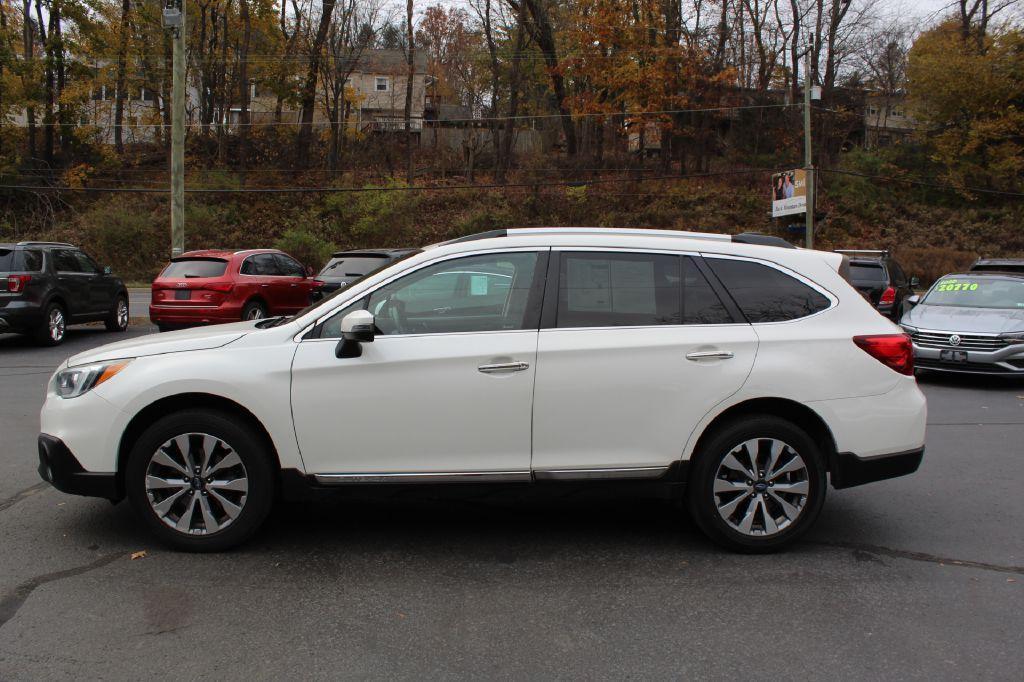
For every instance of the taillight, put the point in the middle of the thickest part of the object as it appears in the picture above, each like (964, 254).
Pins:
(888, 296)
(16, 283)
(222, 287)
(895, 351)
(316, 284)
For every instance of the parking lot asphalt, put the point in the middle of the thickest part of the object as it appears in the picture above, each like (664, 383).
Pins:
(920, 577)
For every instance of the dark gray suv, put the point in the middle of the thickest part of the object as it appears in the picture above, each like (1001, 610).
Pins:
(45, 286)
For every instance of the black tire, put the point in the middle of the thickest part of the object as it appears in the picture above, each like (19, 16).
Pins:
(258, 470)
(702, 501)
(254, 310)
(44, 335)
(116, 322)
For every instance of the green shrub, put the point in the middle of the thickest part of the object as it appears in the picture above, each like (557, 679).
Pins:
(375, 215)
(309, 249)
(133, 242)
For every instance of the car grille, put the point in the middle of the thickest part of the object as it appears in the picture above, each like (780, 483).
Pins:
(967, 341)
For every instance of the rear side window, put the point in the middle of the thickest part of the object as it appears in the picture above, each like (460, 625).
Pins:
(701, 304)
(619, 289)
(765, 294)
(353, 266)
(26, 260)
(189, 268)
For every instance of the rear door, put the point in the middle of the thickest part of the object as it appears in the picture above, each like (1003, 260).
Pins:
(635, 348)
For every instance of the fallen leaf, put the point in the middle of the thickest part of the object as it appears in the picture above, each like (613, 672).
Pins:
(138, 555)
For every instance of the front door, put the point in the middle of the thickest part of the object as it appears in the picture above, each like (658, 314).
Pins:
(446, 387)
(641, 348)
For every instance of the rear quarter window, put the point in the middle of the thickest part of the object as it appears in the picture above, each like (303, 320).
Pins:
(765, 294)
(189, 268)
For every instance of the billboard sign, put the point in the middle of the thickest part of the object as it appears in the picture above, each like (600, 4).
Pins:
(789, 193)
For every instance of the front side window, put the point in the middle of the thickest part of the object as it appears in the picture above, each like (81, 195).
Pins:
(492, 292)
(619, 290)
(766, 294)
(85, 263)
(289, 267)
(66, 261)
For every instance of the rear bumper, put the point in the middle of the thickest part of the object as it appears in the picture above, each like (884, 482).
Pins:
(59, 467)
(850, 470)
(20, 320)
(180, 315)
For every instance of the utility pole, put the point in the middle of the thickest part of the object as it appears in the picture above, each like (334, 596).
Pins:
(808, 161)
(174, 20)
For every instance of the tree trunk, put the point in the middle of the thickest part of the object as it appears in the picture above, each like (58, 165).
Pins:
(308, 100)
(543, 35)
(513, 96)
(122, 67)
(243, 86)
(28, 45)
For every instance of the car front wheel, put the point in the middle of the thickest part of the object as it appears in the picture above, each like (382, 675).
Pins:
(757, 485)
(201, 482)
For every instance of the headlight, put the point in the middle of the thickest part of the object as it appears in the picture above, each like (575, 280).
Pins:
(74, 381)
(907, 328)
(1014, 337)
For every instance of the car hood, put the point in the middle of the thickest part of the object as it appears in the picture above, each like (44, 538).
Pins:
(953, 319)
(197, 338)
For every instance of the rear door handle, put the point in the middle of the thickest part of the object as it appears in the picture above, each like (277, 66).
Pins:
(709, 355)
(504, 367)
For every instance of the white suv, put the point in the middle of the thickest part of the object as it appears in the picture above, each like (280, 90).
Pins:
(750, 373)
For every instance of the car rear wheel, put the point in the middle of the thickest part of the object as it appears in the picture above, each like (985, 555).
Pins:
(200, 481)
(118, 319)
(758, 484)
(254, 310)
(54, 326)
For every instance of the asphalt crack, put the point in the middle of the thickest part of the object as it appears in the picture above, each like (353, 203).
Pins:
(19, 496)
(13, 601)
(921, 556)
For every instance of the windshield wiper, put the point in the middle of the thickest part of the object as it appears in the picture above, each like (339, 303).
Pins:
(268, 322)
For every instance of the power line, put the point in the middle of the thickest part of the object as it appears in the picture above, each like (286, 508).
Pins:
(401, 188)
(923, 183)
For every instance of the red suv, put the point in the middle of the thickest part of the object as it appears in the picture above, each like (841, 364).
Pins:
(210, 287)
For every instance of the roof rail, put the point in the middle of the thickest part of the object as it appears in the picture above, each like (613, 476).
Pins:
(754, 238)
(31, 243)
(761, 239)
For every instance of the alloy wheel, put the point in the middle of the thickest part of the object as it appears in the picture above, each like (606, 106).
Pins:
(56, 325)
(255, 313)
(196, 484)
(761, 487)
(122, 314)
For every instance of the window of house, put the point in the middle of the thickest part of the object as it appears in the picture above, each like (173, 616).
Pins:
(766, 294)
(382, 84)
(146, 95)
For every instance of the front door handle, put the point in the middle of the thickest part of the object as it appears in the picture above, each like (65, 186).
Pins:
(503, 367)
(709, 355)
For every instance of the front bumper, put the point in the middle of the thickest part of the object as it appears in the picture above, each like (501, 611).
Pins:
(59, 467)
(849, 470)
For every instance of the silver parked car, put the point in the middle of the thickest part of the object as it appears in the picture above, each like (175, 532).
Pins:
(972, 322)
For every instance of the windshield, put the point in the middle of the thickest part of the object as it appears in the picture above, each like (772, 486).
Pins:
(188, 268)
(325, 299)
(977, 292)
(352, 266)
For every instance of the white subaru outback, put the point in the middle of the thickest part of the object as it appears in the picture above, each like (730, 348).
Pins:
(753, 374)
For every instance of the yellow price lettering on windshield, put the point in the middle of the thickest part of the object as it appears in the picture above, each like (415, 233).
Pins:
(954, 285)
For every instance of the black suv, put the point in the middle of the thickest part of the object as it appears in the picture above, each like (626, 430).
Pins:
(45, 286)
(346, 267)
(1005, 265)
(881, 280)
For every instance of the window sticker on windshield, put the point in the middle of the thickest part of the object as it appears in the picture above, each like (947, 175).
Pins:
(956, 285)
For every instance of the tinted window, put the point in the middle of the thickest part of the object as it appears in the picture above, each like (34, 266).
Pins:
(701, 304)
(289, 266)
(261, 265)
(85, 263)
(66, 261)
(477, 293)
(765, 294)
(352, 266)
(899, 277)
(195, 268)
(27, 260)
(619, 289)
(867, 273)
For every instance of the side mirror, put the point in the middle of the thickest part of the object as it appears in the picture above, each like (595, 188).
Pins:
(356, 329)
(107, 270)
(913, 300)
(915, 282)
